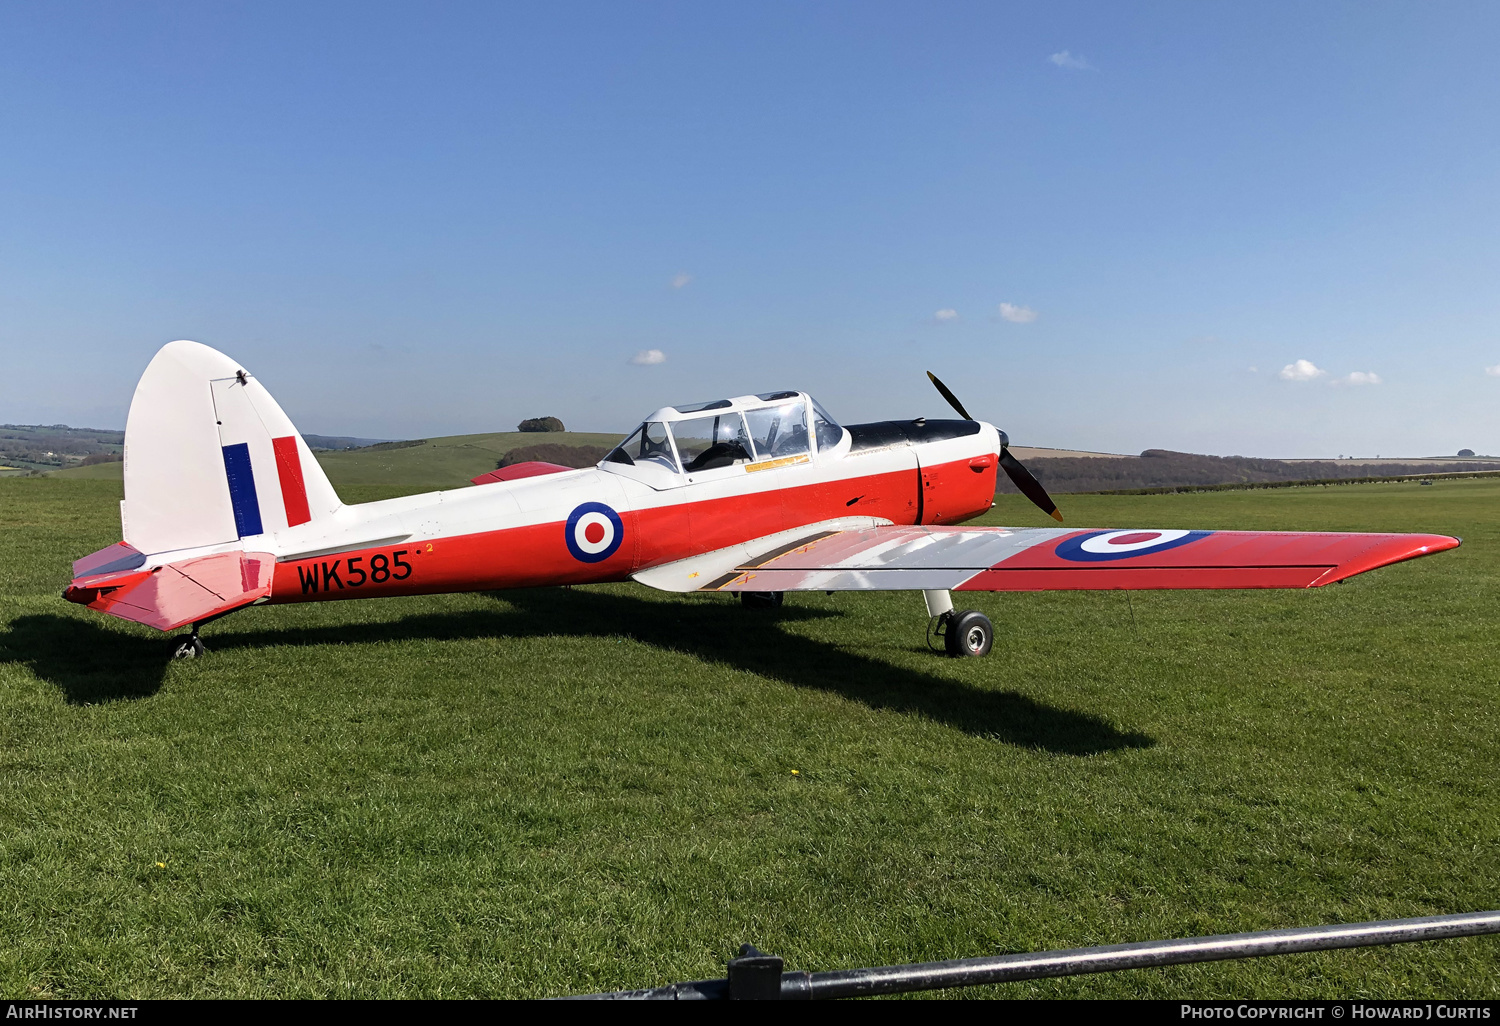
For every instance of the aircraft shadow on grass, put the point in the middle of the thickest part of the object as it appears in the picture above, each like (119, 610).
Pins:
(91, 664)
(86, 660)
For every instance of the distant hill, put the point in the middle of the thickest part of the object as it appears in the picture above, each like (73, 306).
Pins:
(339, 441)
(417, 464)
(443, 462)
(56, 446)
(432, 463)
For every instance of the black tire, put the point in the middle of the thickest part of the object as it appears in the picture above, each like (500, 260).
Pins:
(762, 599)
(190, 647)
(969, 633)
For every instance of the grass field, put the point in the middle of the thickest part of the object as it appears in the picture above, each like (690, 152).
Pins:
(546, 792)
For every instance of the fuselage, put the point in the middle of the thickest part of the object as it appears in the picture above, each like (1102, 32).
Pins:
(607, 522)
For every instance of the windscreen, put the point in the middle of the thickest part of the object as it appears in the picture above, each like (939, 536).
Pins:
(647, 444)
(825, 428)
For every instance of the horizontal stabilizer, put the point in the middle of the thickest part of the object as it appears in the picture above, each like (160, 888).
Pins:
(1051, 559)
(113, 559)
(169, 596)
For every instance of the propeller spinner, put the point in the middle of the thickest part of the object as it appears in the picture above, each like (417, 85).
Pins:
(1018, 474)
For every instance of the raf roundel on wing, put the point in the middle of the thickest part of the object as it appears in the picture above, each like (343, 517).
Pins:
(594, 532)
(1100, 546)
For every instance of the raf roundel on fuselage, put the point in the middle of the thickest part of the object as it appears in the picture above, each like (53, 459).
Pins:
(593, 532)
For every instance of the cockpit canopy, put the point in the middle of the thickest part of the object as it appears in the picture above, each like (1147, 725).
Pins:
(700, 437)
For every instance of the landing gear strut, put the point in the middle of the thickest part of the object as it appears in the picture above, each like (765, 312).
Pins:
(965, 632)
(762, 599)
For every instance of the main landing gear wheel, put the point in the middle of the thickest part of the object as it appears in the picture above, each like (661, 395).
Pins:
(762, 599)
(968, 633)
(190, 647)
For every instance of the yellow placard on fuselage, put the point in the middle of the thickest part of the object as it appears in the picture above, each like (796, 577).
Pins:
(786, 461)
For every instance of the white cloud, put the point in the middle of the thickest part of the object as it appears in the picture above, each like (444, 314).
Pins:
(680, 279)
(1494, 371)
(1358, 378)
(1064, 59)
(945, 315)
(648, 357)
(1017, 314)
(1302, 370)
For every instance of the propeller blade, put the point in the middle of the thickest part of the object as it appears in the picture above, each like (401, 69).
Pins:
(1022, 478)
(952, 399)
(1029, 485)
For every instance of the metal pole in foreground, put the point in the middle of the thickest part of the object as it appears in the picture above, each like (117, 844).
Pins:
(757, 975)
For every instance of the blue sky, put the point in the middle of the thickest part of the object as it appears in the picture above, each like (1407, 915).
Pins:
(424, 219)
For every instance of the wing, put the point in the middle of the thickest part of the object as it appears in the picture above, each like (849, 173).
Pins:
(517, 471)
(171, 595)
(1050, 559)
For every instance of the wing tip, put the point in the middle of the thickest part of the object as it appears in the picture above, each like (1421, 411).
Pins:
(1387, 552)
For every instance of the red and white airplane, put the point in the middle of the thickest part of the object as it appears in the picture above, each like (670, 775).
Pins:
(226, 507)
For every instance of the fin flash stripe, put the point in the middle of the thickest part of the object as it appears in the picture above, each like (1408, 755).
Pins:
(293, 488)
(242, 489)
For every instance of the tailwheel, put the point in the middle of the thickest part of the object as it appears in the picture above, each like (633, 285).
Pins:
(968, 633)
(762, 599)
(188, 647)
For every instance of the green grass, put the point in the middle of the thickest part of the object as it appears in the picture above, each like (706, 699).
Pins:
(438, 463)
(96, 472)
(547, 792)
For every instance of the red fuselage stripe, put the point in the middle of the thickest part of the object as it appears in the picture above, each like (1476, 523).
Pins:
(293, 490)
(536, 555)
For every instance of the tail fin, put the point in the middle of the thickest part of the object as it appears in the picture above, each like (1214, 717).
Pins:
(211, 458)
